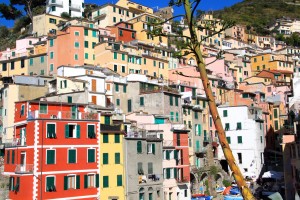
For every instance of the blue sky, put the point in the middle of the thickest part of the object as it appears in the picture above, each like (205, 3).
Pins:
(204, 5)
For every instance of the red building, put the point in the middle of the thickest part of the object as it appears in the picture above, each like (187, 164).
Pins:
(124, 31)
(55, 153)
(180, 141)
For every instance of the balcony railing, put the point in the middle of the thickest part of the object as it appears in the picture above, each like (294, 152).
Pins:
(24, 169)
(15, 142)
(62, 115)
(110, 128)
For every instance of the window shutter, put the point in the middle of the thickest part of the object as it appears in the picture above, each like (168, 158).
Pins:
(175, 154)
(91, 155)
(117, 158)
(150, 168)
(78, 131)
(66, 131)
(105, 158)
(153, 148)
(13, 157)
(78, 182)
(60, 84)
(175, 173)
(167, 154)
(168, 173)
(50, 157)
(65, 182)
(119, 180)
(85, 181)
(72, 156)
(139, 146)
(97, 180)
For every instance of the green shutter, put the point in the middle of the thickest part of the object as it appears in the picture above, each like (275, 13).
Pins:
(107, 120)
(105, 182)
(153, 148)
(117, 158)
(77, 181)
(97, 180)
(139, 147)
(199, 129)
(171, 100)
(78, 131)
(175, 173)
(85, 181)
(50, 156)
(91, 155)
(49, 183)
(176, 101)
(168, 173)
(167, 154)
(175, 154)
(117, 138)
(13, 157)
(228, 140)
(65, 182)
(72, 156)
(105, 137)
(141, 101)
(275, 113)
(124, 88)
(240, 139)
(119, 180)
(66, 131)
(225, 114)
(105, 158)
(197, 146)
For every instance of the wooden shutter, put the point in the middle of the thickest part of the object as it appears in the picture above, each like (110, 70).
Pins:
(97, 180)
(78, 131)
(91, 155)
(153, 148)
(65, 182)
(85, 181)
(13, 157)
(119, 180)
(77, 181)
(66, 131)
(139, 146)
(94, 85)
(94, 100)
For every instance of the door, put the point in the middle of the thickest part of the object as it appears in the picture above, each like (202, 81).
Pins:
(23, 162)
(94, 85)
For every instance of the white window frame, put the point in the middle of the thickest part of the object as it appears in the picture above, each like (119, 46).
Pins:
(87, 155)
(46, 181)
(47, 155)
(75, 177)
(88, 181)
(87, 129)
(149, 148)
(75, 32)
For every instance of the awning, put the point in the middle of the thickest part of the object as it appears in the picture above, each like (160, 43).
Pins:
(183, 187)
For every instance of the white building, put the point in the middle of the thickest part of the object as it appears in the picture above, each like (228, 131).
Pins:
(245, 135)
(74, 8)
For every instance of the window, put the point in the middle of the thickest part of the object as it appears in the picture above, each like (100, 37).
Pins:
(228, 140)
(227, 126)
(76, 44)
(117, 87)
(139, 146)
(275, 113)
(51, 131)
(114, 9)
(133, 35)
(105, 137)
(171, 100)
(51, 55)
(72, 131)
(114, 19)
(53, 8)
(129, 108)
(240, 158)
(4, 66)
(86, 44)
(50, 184)
(171, 116)
(119, 180)
(276, 125)
(13, 157)
(123, 56)
(117, 138)
(86, 56)
(105, 158)
(91, 180)
(240, 139)
(93, 44)
(151, 148)
(124, 87)
(72, 182)
(91, 155)
(115, 55)
(94, 33)
(118, 102)
(76, 33)
(22, 63)
(150, 168)
(117, 158)
(12, 65)
(154, 63)
(140, 168)
(51, 42)
(105, 181)
(107, 120)
(196, 115)
(225, 114)
(142, 101)
(239, 126)
(86, 32)
(115, 68)
(22, 112)
(31, 61)
(72, 156)
(176, 101)
(120, 33)
(11, 183)
(43, 108)
(50, 156)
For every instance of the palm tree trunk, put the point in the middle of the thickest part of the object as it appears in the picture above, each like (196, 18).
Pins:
(246, 192)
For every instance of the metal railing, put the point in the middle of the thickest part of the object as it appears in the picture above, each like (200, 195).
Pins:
(62, 115)
(56, 2)
(15, 142)
(24, 169)
(149, 178)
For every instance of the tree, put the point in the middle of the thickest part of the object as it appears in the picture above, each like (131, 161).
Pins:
(11, 12)
(193, 48)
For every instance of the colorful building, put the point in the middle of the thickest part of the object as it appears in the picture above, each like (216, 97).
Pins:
(55, 153)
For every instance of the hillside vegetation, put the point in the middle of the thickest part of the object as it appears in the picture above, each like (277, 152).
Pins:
(259, 14)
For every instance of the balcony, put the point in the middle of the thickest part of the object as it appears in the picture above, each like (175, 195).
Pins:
(56, 3)
(110, 128)
(75, 7)
(197, 108)
(53, 114)
(15, 142)
(100, 16)
(150, 178)
(24, 169)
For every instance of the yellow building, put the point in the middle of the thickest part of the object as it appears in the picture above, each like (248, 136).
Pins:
(134, 6)
(129, 59)
(44, 23)
(141, 25)
(268, 61)
(112, 171)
